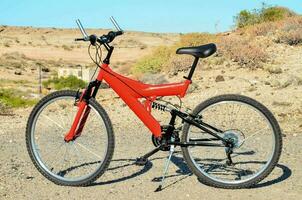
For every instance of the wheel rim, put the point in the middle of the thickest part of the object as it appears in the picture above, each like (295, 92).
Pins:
(74, 161)
(213, 165)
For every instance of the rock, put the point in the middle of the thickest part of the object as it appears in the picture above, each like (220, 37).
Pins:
(45, 69)
(219, 78)
(273, 69)
(18, 72)
(286, 83)
(281, 103)
(275, 83)
(29, 177)
(252, 88)
(297, 80)
(282, 115)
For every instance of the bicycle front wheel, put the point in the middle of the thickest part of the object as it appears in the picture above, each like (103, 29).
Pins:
(74, 163)
(255, 135)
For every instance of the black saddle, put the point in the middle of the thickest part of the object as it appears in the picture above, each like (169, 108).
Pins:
(202, 51)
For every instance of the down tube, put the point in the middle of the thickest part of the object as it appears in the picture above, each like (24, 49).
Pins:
(125, 93)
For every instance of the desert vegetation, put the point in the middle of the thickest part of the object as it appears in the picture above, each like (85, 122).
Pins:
(70, 82)
(14, 99)
(254, 32)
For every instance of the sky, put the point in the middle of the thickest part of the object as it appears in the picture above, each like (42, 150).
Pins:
(178, 16)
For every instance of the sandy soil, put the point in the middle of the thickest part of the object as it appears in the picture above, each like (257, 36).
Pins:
(124, 180)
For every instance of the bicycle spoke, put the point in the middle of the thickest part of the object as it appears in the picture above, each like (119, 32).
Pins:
(257, 132)
(88, 150)
(53, 121)
(60, 115)
(80, 156)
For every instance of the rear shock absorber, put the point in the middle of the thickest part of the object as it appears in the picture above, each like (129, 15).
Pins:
(159, 106)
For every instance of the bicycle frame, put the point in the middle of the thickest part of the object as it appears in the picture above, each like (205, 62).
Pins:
(131, 92)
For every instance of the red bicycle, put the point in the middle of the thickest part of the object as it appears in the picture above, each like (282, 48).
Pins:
(228, 141)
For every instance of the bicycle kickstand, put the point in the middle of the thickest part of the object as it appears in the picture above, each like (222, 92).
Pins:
(159, 188)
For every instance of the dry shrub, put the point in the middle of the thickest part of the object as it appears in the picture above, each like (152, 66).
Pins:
(287, 31)
(125, 68)
(291, 32)
(178, 63)
(293, 37)
(14, 59)
(264, 29)
(242, 50)
(196, 39)
(67, 48)
(14, 56)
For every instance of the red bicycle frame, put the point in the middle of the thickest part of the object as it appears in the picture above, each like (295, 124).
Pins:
(131, 91)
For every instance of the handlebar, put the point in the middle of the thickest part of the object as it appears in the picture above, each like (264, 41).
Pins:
(104, 39)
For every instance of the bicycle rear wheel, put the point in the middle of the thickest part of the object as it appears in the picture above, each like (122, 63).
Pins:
(256, 136)
(74, 163)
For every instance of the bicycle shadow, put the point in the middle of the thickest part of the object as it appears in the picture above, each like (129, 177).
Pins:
(185, 172)
(131, 162)
(286, 173)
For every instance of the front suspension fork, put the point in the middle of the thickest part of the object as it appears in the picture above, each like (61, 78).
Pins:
(78, 122)
(83, 111)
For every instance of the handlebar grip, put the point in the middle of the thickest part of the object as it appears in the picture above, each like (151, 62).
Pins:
(119, 33)
(79, 39)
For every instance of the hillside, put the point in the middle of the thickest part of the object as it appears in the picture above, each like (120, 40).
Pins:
(261, 60)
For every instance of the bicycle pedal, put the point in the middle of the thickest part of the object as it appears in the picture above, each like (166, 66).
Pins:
(141, 161)
(158, 189)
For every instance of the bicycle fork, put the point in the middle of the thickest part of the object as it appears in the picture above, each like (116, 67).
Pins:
(79, 121)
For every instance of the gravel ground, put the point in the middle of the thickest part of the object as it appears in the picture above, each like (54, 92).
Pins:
(123, 180)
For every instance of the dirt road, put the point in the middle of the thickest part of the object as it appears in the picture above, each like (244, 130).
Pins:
(124, 180)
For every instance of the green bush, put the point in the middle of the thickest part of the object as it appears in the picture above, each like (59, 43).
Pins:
(272, 14)
(264, 14)
(160, 58)
(155, 62)
(70, 82)
(9, 98)
(246, 18)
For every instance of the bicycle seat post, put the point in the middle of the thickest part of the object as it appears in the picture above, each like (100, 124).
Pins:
(189, 77)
